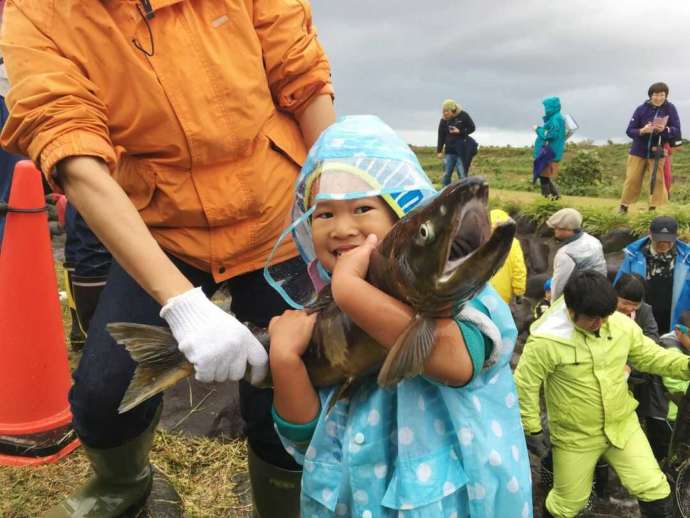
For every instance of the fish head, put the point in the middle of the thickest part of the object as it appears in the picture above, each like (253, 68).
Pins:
(444, 252)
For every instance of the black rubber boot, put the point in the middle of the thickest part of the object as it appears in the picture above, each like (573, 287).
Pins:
(545, 189)
(121, 482)
(276, 490)
(86, 291)
(77, 337)
(662, 508)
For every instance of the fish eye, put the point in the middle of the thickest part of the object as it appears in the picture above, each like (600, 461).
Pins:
(426, 232)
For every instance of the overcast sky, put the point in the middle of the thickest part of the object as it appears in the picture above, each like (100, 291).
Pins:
(499, 59)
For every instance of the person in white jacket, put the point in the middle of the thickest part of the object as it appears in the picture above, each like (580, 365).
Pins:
(580, 250)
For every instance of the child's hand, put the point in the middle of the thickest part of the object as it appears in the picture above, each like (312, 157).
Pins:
(291, 333)
(355, 262)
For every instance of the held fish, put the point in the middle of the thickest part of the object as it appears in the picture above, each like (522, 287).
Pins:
(434, 259)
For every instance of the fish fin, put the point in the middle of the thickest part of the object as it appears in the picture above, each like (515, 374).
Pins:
(160, 364)
(407, 356)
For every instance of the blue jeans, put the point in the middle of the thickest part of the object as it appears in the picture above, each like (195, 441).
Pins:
(452, 162)
(106, 368)
(83, 250)
(7, 163)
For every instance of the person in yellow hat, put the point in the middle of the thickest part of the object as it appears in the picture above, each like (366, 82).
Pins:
(511, 280)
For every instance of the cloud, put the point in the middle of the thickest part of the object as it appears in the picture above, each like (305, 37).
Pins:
(499, 59)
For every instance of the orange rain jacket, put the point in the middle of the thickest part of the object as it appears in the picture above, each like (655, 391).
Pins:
(192, 110)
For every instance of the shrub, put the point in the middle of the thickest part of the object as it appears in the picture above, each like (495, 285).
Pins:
(581, 174)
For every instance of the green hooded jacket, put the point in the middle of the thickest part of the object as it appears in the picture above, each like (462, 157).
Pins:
(553, 131)
(587, 398)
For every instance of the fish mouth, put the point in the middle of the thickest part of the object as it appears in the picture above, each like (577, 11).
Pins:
(469, 225)
(473, 253)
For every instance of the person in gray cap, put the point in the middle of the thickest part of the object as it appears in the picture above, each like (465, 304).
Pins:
(663, 261)
(579, 251)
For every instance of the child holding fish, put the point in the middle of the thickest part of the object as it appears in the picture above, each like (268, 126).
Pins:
(438, 434)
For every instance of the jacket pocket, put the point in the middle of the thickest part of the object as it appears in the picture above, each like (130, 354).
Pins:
(285, 137)
(137, 179)
(421, 481)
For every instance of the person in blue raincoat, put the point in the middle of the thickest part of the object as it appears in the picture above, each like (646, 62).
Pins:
(548, 147)
(421, 448)
(663, 261)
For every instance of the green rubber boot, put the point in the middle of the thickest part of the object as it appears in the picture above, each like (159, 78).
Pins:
(276, 490)
(121, 482)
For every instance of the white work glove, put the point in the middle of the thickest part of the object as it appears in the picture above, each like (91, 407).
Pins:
(215, 342)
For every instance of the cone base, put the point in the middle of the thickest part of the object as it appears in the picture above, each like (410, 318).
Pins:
(46, 424)
(12, 460)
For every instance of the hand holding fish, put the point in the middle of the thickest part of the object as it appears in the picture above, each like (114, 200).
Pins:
(290, 334)
(215, 342)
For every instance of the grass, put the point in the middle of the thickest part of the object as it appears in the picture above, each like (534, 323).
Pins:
(510, 168)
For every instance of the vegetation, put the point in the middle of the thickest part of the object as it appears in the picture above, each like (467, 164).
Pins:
(598, 219)
(510, 168)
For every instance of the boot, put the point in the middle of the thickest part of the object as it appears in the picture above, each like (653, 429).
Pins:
(77, 337)
(121, 482)
(86, 290)
(276, 490)
(662, 508)
(545, 189)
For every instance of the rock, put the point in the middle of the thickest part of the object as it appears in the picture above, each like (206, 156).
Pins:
(613, 263)
(536, 253)
(535, 286)
(617, 239)
(525, 225)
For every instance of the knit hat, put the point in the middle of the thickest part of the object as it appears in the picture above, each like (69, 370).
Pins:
(567, 219)
(451, 105)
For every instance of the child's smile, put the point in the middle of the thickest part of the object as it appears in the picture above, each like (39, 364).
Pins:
(341, 225)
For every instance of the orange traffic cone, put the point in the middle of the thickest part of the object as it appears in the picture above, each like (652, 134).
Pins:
(34, 373)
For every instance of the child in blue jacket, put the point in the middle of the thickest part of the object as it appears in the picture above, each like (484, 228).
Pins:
(421, 448)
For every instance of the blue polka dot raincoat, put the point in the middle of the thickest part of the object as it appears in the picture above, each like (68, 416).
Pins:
(422, 449)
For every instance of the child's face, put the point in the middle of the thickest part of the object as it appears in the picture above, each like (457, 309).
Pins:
(627, 307)
(341, 225)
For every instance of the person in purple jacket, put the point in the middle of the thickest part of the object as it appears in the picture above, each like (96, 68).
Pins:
(654, 123)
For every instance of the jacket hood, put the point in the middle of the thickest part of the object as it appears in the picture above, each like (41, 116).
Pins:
(498, 216)
(552, 105)
(555, 324)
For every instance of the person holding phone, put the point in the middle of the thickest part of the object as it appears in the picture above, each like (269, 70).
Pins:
(455, 146)
(653, 124)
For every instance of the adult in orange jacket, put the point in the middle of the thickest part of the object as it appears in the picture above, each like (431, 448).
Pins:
(177, 129)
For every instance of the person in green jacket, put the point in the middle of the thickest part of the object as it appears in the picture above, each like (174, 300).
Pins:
(678, 339)
(578, 350)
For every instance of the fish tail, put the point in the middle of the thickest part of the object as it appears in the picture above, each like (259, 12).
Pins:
(160, 364)
(407, 356)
